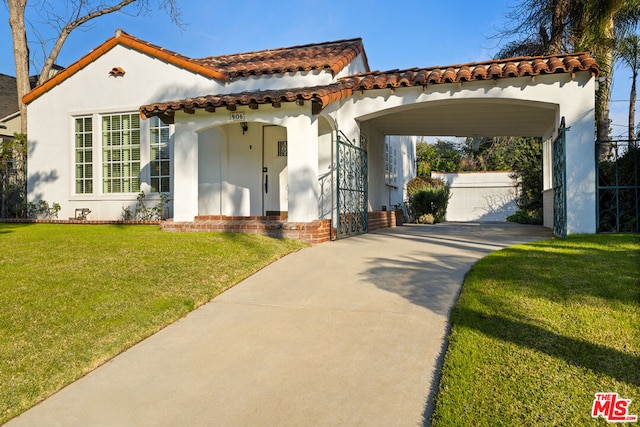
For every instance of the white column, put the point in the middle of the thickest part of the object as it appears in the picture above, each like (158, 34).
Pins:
(185, 172)
(580, 160)
(302, 137)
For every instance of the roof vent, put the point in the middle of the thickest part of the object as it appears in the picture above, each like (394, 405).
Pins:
(117, 72)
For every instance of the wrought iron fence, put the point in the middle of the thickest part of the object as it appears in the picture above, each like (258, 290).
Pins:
(618, 186)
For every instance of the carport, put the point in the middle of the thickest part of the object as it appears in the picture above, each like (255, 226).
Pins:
(555, 104)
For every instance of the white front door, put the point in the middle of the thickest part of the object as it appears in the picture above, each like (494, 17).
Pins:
(274, 170)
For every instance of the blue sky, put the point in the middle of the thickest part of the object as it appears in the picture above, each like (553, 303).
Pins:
(395, 34)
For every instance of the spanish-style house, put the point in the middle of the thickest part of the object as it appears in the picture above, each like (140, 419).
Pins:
(308, 135)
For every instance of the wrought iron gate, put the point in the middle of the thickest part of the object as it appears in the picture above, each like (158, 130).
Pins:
(559, 183)
(352, 188)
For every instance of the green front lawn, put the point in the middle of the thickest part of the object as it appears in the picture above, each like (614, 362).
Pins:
(539, 329)
(74, 296)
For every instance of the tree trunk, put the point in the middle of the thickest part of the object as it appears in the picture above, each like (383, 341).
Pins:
(632, 109)
(557, 30)
(20, 54)
(605, 59)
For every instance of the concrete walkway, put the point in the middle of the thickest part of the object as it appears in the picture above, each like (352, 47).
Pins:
(344, 333)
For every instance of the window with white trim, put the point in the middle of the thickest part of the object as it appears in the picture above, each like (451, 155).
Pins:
(390, 164)
(159, 161)
(121, 153)
(84, 155)
(118, 153)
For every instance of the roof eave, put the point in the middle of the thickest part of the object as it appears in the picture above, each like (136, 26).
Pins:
(320, 97)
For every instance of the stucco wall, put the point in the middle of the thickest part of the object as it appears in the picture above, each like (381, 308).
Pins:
(91, 91)
(326, 169)
(481, 196)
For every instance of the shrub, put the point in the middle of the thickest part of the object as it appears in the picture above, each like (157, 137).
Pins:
(526, 217)
(431, 200)
(42, 210)
(145, 213)
(421, 183)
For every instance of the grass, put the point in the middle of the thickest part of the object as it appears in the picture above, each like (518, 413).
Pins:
(539, 329)
(72, 297)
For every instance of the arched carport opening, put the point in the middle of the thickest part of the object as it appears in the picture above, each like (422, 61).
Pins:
(457, 117)
(467, 117)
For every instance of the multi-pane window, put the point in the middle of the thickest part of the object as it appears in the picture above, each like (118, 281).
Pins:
(159, 144)
(84, 155)
(127, 154)
(390, 164)
(121, 153)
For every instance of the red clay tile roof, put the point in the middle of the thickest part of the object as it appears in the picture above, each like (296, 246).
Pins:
(332, 56)
(488, 70)
(321, 96)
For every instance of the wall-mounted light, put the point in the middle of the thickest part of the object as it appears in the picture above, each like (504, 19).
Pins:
(245, 127)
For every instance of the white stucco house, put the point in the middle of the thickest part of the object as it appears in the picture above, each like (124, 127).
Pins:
(306, 134)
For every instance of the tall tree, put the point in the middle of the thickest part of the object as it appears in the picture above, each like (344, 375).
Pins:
(76, 14)
(20, 53)
(556, 26)
(628, 51)
(443, 156)
(539, 27)
(598, 34)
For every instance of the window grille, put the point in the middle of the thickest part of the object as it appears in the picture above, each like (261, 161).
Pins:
(121, 153)
(84, 155)
(159, 161)
(282, 148)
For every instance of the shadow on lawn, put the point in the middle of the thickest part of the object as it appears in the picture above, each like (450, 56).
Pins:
(600, 359)
(6, 228)
(588, 272)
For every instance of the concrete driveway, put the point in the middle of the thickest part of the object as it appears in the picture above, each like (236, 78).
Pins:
(345, 333)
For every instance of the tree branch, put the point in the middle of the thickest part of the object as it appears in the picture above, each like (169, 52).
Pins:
(77, 21)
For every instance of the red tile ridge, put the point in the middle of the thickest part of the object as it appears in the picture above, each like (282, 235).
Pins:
(333, 55)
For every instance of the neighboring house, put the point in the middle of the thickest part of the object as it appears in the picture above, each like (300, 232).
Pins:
(9, 111)
(10, 120)
(303, 133)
